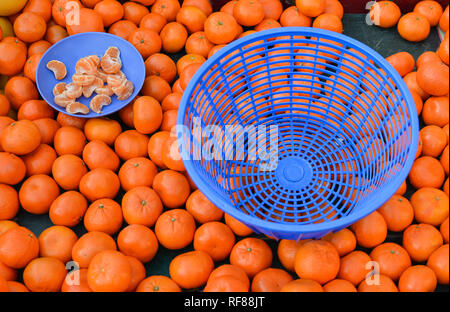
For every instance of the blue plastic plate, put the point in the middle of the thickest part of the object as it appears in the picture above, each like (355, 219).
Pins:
(73, 48)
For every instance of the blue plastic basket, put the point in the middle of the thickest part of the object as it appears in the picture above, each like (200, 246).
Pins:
(297, 132)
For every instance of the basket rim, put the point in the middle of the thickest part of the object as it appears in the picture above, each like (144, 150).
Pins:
(382, 194)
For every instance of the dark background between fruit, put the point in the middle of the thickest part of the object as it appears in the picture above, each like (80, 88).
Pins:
(384, 41)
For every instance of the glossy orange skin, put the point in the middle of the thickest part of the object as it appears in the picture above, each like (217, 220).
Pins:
(17, 287)
(197, 43)
(302, 285)
(175, 229)
(20, 138)
(444, 228)
(418, 278)
(202, 209)
(103, 129)
(147, 114)
(270, 280)
(166, 8)
(141, 205)
(12, 168)
(122, 28)
(203, 5)
(403, 62)
(4, 105)
(233, 271)
(136, 172)
(438, 262)
(171, 156)
(40, 7)
(192, 18)
(172, 187)
(90, 21)
(153, 21)
(5, 225)
(155, 147)
(99, 183)
(421, 240)
(73, 278)
(191, 269)
(18, 246)
(68, 170)
(161, 65)
(393, 260)
(89, 245)
(103, 215)
(434, 140)
(329, 22)
(55, 33)
(385, 14)
(40, 161)
(432, 10)
(37, 193)
(187, 60)
(44, 275)
(344, 241)
(385, 285)
(433, 78)
(68, 209)
(97, 154)
(158, 283)
(57, 242)
(339, 285)
(30, 27)
(111, 11)
(61, 8)
(109, 271)
(371, 230)
(215, 238)
(430, 206)
(411, 82)
(69, 140)
(134, 12)
(38, 47)
(9, 202)
(221, 28)
(225, 283)
(236, 226)
(435, 111)
(397, 212)
(426, 172)
(12, 58)
(31, 66)
(67, 120)
(317, 260)
(146, 41)
(353, 267)
(130, 144)
(251, 254)
(47, 127)
(138, 241)
(138, 273)
(413, 27)
(7, 273)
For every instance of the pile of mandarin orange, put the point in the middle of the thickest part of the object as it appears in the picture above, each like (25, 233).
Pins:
(120, 179)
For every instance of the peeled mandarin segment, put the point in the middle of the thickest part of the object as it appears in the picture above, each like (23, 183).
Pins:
(88, 65)
(58, 68)
(115, 80)
(102, 75)
(127, 92)
(89, 90)
(106, 90)
(113, 52)
(62, 100)
(98, 102)
(110, 65)
(77, 108)
(59, 88)
(73, 91)
(83, 80)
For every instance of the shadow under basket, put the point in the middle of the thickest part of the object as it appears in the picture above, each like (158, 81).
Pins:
(297, 132)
